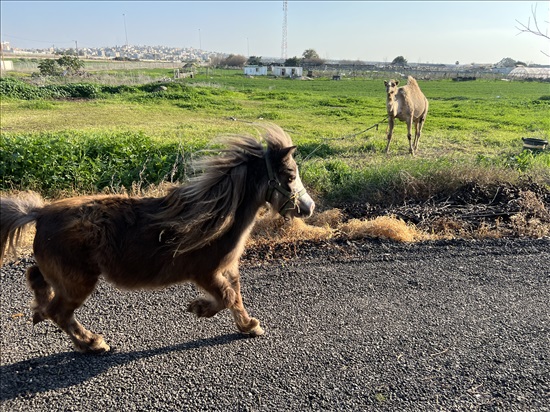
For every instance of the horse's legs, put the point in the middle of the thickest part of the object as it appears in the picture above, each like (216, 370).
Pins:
(391, 122)
(58, 303)
(224, 293)
(61, 311)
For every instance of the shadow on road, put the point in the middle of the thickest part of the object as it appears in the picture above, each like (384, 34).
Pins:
(67, 369)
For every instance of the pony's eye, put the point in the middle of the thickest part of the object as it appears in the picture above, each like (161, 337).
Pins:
(291, 179)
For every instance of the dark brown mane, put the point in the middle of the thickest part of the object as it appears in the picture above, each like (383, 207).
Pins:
(203, 210)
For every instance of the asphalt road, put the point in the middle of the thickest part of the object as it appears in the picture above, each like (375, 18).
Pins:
(372, 325)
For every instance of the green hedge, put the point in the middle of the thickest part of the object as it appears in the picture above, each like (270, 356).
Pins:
(17, 89)
(65, 161)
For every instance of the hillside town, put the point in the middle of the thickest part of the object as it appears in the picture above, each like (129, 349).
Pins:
(153, 53)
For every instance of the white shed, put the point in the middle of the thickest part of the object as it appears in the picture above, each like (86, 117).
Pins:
(255, 70)
(287, 71)
(7, 65)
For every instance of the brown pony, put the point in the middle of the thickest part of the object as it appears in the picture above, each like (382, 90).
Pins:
(196, 233)
(408, 104)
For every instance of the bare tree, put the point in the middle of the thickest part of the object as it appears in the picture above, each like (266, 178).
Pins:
(534, 27)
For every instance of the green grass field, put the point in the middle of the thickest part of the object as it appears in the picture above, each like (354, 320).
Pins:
(112, 134)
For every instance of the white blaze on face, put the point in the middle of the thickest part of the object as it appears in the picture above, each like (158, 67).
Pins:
(306, 204)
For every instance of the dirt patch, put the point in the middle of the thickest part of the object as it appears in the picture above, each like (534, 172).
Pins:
(473, 211)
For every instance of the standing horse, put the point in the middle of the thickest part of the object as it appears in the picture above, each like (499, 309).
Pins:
(195, 233)
(409, 105)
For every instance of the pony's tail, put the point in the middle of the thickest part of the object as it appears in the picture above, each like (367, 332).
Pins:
(15, 214)
(411, 81)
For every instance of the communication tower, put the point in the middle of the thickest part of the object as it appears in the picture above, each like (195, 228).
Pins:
(284, 44)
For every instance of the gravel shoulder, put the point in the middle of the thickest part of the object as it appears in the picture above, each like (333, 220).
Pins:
(364, 325)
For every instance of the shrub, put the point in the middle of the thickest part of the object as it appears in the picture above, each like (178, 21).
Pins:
(17, 89)
(56, 162)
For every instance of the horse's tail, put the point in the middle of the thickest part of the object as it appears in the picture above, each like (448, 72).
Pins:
(15, 214)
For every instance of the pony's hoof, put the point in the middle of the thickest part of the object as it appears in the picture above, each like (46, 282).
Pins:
(96, 346)
(254, 329)
(37, 317)
(257, 331)
(202, 308)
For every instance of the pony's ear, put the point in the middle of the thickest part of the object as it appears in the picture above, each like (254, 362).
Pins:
(385, 83)
(287, 151)
(397, 82)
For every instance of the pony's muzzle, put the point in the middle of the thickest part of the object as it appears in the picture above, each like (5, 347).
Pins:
(306, 206)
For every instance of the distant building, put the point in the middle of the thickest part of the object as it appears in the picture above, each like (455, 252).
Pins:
(280, 71)
(255, 70)
(6, 65)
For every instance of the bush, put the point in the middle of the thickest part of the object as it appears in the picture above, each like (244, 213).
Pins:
(55, 162)
(18, 89)
(82, 90)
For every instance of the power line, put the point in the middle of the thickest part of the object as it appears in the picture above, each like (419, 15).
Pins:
(37, 41)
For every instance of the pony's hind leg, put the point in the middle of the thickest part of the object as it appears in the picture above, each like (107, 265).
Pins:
(43, 293)
(225, 293)
(221, 296)
(59, 301)
(61, 311)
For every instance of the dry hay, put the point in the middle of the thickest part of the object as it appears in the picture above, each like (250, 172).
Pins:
(386, 227)
(271, 228)
(326, 225)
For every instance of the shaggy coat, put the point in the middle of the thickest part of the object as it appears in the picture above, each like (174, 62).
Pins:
(196, 233)
(408, 104)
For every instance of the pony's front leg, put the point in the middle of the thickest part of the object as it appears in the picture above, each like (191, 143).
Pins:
(245, 323)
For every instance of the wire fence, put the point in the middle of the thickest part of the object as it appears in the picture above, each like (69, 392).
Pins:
(31, 65)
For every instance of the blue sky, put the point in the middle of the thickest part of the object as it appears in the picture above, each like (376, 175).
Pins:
(421, 31)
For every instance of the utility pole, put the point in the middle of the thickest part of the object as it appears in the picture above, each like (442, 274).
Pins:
(1, 58)
(76, 47)
(126, 34)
